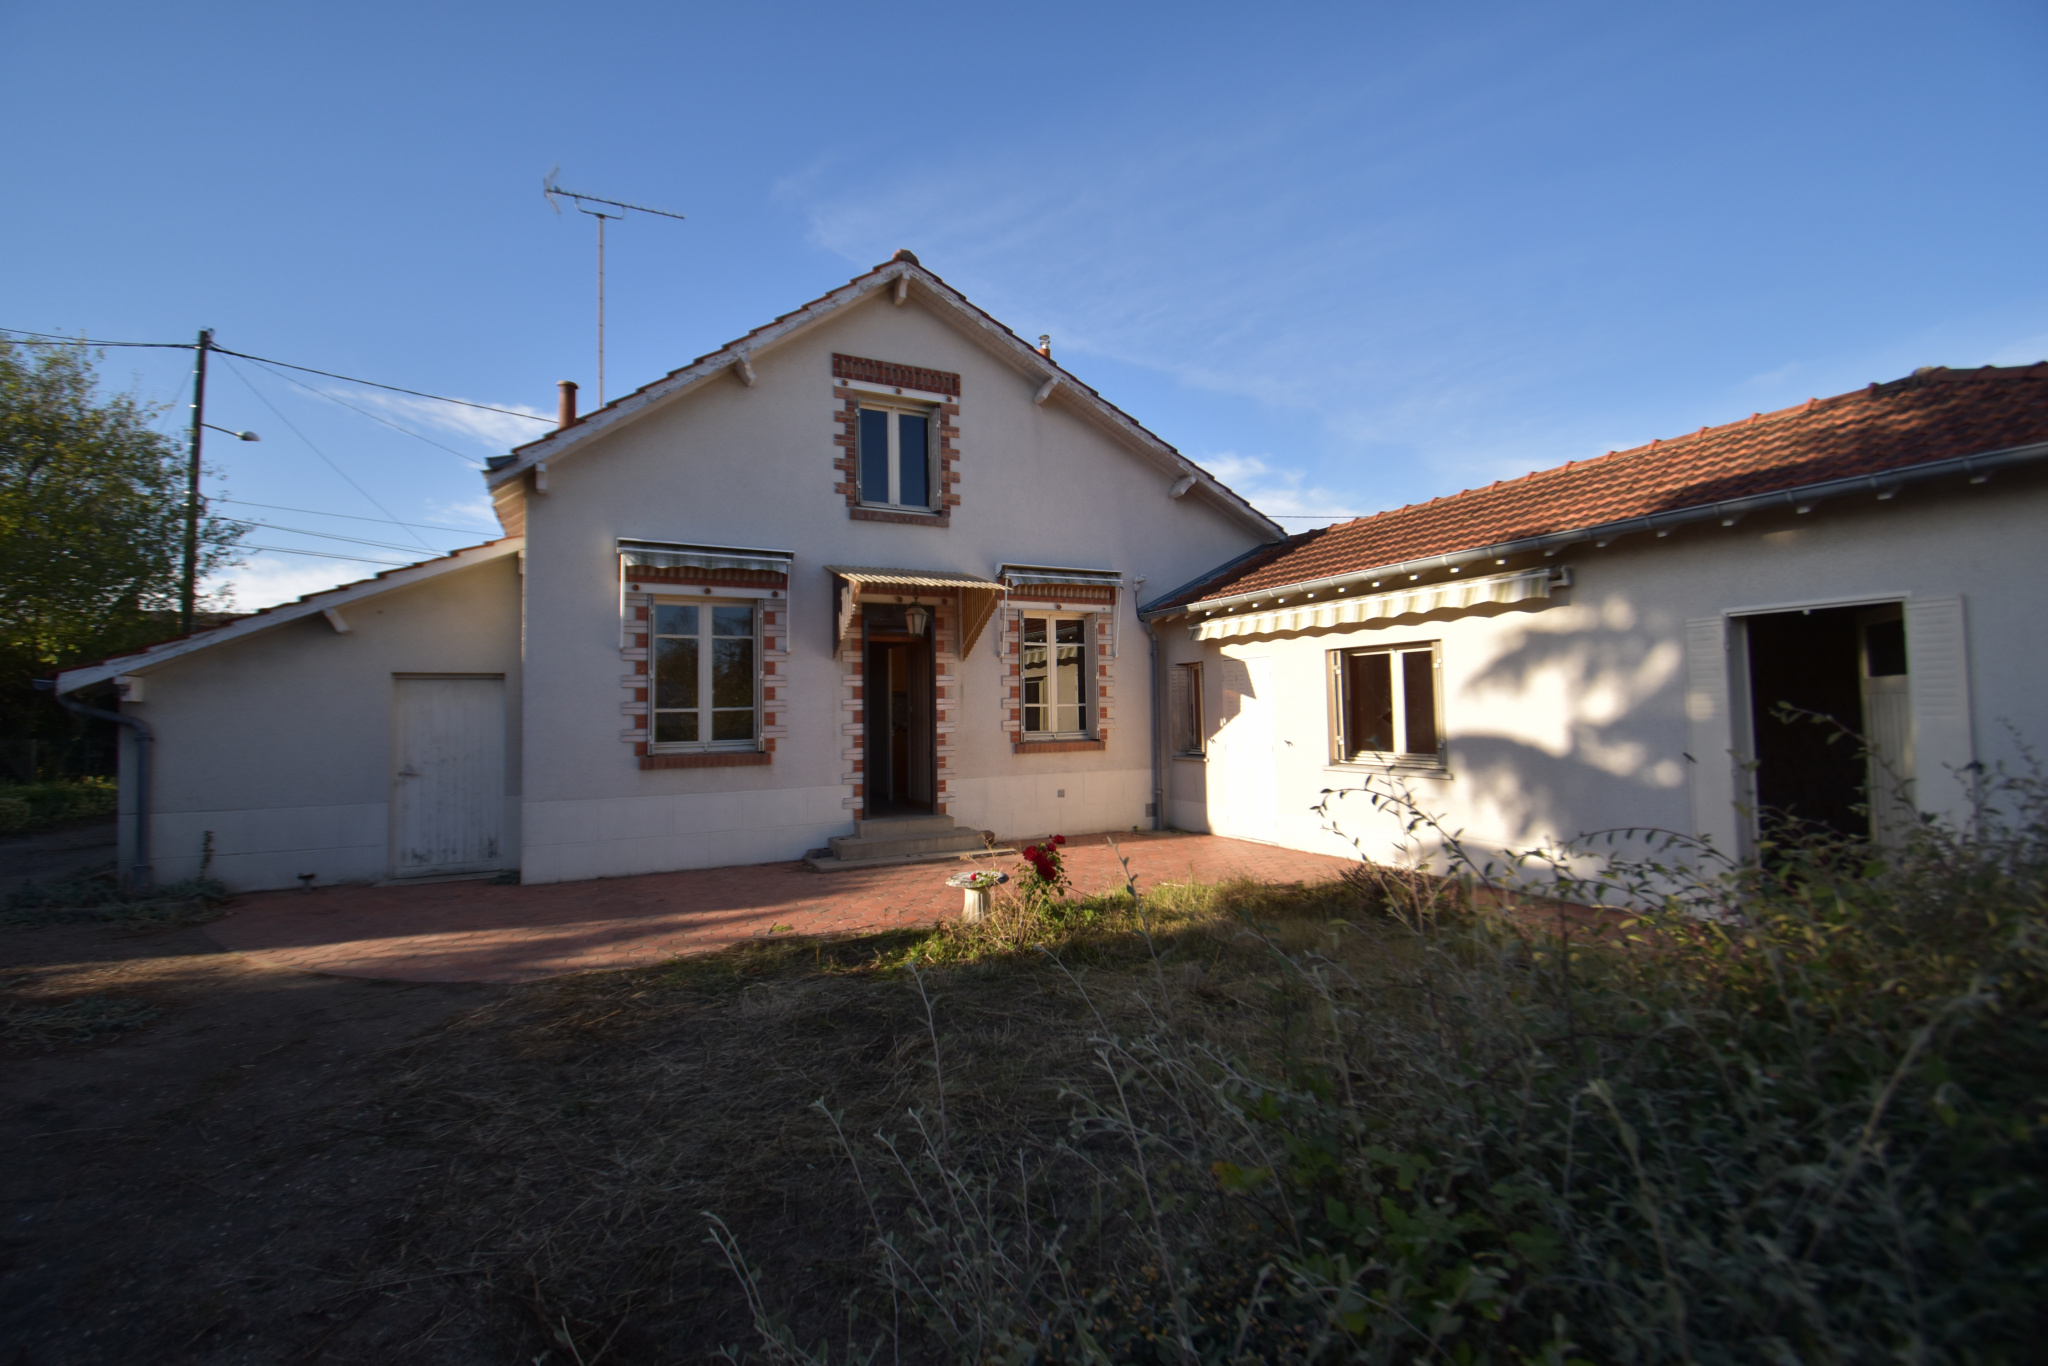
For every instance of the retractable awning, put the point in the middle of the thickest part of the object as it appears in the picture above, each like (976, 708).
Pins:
(1350, 611)
(683, 555)
(977, 596)
(1019, 575)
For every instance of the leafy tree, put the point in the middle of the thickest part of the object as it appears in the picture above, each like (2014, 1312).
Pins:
(92, 527)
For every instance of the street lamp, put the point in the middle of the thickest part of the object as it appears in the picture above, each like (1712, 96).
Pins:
(244, 436)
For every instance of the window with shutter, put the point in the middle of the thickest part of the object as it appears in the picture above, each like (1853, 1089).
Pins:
(1184, 709)
(1386, 705)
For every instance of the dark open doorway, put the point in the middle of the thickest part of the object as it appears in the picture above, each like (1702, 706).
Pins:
(1847, 665)
(899, 687)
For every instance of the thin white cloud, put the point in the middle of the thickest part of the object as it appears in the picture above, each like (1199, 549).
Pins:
(496, 431)
(267, 580)
(477, 512)
(1282, 494)
(2025, 351)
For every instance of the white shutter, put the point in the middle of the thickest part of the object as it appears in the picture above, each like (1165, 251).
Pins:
(1711, 733)
(1937, 670)
(1177, 708)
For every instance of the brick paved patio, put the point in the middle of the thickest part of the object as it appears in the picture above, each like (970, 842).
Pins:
(477, 932)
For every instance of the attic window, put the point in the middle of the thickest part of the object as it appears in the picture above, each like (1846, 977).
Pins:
(896, 455)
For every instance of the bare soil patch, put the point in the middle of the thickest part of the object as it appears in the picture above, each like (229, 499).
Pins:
(193, 1180)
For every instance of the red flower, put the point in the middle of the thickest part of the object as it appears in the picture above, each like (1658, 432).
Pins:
(1059, 839)
(1031, 852)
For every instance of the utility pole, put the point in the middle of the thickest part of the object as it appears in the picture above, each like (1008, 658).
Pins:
(188, 609)
(582, 201)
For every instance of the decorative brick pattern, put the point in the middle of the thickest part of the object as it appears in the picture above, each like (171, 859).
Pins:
(637, 604)
(1099, 602)
(846, 447)
(945, 702)
(894, 375)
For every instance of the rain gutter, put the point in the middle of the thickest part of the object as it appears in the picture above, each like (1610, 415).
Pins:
(1803, 498)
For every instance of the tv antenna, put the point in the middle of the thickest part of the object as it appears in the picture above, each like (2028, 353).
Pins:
(583, 202)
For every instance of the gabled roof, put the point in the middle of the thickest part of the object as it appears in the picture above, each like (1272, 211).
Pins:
(329, 600)
(1877, 438)
(904, 273)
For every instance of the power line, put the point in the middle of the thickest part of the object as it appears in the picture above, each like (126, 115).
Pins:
(316, 512)
(316, 450)
(416, 393)
(60, 339)
(473, 464)
(328, 535)
(265, 360)
(327, 555)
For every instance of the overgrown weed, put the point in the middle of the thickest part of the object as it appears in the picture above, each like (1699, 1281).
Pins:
(191, 901)
(1793, 1113)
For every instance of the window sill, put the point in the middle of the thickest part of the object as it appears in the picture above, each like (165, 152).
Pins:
(1417, 768)
(902, 516)
(708, 758)
(1056, 746)
(1189, 757)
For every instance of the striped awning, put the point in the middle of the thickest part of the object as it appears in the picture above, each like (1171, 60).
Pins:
(682, 555)
(977, 596)
(1307, 615)
(1018, 575)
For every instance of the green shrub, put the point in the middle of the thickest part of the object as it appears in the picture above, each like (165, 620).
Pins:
(1796, 1113)
(36, 806)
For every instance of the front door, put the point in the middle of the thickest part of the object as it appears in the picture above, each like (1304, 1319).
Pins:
(448, 775)
(899, 690)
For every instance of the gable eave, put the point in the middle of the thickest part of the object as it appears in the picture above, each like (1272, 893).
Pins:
(956, 310)
(332, 599)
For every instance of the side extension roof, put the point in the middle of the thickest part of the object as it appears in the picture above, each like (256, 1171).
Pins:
(140, 661)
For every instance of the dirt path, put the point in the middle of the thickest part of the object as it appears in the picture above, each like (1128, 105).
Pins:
(193, 1189)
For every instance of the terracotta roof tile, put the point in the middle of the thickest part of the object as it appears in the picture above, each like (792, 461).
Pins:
(1929, 416)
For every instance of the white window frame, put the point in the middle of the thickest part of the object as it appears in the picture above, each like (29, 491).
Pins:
(704, 708)
(1185, 691)
(1343, 754)
(1088, 702)
(931, 414)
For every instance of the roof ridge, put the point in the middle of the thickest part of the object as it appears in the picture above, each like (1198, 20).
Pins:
(1920, 419)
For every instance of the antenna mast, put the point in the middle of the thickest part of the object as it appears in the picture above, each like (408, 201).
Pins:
(582, 202)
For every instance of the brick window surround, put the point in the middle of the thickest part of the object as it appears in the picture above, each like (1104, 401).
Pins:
(941, 385)
(644, 583)
(1099, 603)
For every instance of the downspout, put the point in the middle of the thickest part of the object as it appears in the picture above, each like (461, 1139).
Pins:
(141, 876)
(1158, 711)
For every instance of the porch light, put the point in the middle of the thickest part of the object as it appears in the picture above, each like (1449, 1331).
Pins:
(916, 618)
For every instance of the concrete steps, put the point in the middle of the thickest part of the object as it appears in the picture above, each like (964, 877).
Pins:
(891, 840)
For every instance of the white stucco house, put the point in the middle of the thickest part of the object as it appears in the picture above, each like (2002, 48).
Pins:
(880, 576)
(1606, 645)
(877, 562)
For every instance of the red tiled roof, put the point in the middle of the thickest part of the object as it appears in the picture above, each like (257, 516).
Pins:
(1934, 415)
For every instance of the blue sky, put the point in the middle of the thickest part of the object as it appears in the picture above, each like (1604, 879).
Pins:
(1348, 256)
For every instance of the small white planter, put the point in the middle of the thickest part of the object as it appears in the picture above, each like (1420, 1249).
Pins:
(976, 904)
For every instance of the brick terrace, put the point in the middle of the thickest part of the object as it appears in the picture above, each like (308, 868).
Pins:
(477, 932)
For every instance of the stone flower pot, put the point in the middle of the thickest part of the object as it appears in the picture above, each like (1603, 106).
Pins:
(977, 886)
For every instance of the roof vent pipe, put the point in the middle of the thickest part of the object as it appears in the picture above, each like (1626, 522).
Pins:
(565, 412)
(1045, 345)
